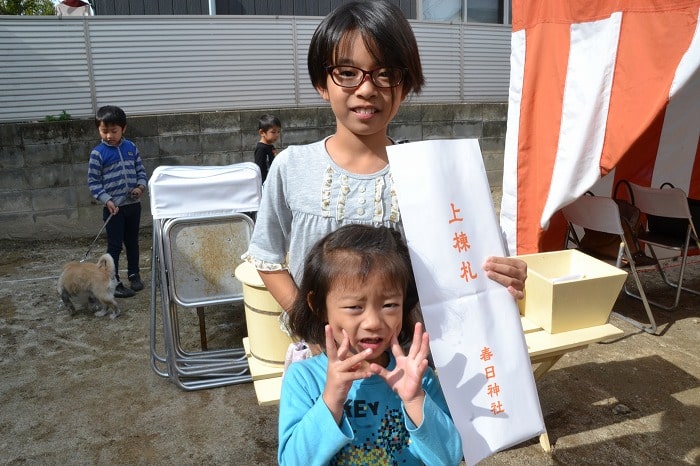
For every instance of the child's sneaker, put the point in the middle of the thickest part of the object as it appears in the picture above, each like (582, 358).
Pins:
(135, 282)
(123, 292)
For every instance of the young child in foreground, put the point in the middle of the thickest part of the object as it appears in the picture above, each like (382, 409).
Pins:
(362, 401)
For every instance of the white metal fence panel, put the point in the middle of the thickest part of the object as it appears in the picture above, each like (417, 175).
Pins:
(43, 69)
(486, 63)
(195, 64)
(441, 57)
(305, 27)
(168, 64)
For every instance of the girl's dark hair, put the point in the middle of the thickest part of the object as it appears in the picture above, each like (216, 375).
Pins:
(386, 34)
(110, 115)
(267, 122)
(351, 253)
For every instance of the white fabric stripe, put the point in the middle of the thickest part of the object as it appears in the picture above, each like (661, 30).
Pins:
(509, 201)
(589, 77)
(681, 129)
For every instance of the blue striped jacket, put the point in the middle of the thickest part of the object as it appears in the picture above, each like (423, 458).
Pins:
(114, 171)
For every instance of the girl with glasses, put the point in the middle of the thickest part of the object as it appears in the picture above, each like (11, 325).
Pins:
(363, 60)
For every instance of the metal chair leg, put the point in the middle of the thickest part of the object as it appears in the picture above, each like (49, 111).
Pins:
(642, 297)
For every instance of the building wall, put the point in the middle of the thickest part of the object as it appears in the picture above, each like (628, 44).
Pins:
(43, 176)
(151, 7)
(231, 7)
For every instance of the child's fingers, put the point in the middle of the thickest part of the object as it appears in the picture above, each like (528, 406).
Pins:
(331, 348)
(396, 346)
(422, 367)
(379, 370)
(510, 272)
(344, 343)
(425, 346)
(416, 343)
(419, 345)
(341, 353)
(422, 340)
(358, 363)
(344, 347)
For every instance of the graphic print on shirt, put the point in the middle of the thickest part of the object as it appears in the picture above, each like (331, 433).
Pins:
(385, 446)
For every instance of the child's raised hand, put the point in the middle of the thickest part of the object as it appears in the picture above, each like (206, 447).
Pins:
(407, 377)
(344, 367)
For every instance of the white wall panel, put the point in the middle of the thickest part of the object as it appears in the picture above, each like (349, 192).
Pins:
(43, 68)
(194, 64)
(305, 27)
(166, 64)
(486, 62)
(439, 45)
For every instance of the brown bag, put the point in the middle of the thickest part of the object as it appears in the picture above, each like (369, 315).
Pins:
(607, 245)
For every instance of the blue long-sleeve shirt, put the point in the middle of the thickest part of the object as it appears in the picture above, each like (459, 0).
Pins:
(374, 429)
(114, 171)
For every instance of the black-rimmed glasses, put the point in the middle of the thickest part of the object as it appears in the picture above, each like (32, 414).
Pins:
(352, 76)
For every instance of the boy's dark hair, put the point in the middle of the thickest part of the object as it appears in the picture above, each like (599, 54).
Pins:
(267, 122)
(110, 115)
(386, 34)
(351, 253)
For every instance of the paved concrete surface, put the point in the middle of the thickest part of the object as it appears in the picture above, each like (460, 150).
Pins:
(79, 390)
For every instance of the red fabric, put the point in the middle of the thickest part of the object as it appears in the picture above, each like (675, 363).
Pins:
(654, 36)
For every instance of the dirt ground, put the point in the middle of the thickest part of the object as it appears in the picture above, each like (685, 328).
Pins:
(80, 390)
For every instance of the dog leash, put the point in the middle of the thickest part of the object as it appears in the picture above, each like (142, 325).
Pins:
(98, 235)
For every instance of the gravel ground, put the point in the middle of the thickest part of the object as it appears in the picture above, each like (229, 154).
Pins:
(80, 390)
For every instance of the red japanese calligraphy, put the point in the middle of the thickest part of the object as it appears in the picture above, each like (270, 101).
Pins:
(467, 273)
(497, 408)
(455, 211)
(493, 390)
(461, 242)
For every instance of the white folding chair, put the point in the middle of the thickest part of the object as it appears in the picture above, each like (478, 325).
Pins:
(199, 233)
(670, 203)
(602, 214)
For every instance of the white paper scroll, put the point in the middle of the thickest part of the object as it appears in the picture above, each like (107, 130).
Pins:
(476, 337)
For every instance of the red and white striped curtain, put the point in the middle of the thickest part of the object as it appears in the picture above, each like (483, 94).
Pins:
(597, 88)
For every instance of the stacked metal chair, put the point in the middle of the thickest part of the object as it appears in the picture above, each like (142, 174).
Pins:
(200, 230)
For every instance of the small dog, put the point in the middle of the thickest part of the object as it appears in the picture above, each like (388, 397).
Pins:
(91, 283)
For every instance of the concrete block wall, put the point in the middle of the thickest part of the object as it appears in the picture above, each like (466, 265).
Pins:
(43, 165)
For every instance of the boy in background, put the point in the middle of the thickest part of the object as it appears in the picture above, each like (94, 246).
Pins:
(269, 127)
(117, 179)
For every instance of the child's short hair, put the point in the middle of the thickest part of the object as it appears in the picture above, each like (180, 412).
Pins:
(110, 115)
(267, 122)
(351, 253)
(386, 34)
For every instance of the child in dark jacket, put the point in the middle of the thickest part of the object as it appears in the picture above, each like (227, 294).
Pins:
(117, 179)
(269, 127)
